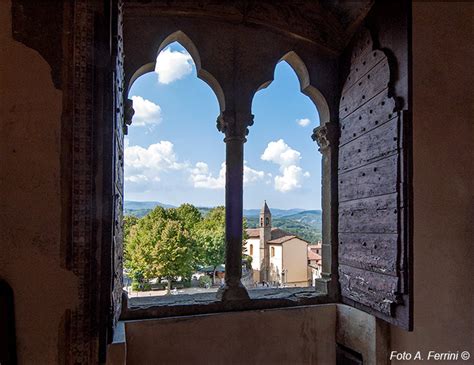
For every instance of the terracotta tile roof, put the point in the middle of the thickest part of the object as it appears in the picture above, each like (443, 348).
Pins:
(278, 233)
(313, 255)
(253, 232)
(281, 239)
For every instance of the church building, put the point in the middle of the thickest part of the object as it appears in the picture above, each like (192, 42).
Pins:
(278, 257)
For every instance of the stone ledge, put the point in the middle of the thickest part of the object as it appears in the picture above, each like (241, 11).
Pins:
(209, 298)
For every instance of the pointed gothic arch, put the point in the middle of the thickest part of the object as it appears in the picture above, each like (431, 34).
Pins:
(180, 37)
(301, 71)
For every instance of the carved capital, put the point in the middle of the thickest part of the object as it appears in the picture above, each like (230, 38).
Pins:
(326, 135)
(234, 125)
(129, 111)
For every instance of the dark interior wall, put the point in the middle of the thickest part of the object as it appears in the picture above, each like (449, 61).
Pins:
(443, 179)
(30, 199)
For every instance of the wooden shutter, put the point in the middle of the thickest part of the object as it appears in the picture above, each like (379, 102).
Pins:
(373, 169)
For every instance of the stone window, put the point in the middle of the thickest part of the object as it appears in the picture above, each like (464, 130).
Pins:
(362, 128)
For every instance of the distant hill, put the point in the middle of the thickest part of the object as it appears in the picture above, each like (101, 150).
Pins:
(311, 217)
(140, 209)
(304, 223)
(275, 212)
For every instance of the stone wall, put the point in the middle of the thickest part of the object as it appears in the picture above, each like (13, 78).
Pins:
(30, 199)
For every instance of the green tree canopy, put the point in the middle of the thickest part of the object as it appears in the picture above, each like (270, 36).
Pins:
(174, 253)
(173, 242)
(188, 214)
(210, 238)
(141, 239)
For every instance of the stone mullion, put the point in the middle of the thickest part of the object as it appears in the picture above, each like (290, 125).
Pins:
(234, 125)
(234, 209)
(327, 137)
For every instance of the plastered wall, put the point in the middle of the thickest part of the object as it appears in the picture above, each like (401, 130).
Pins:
(443, 180)
(30, 201)
(304, 335)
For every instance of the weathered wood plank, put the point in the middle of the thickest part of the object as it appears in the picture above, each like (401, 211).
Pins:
(373, 252)
(374, 82)
(374, 290)
(405, 211)
(377, 178)
(378, 143)
(362, 65)
(376, 112)
(370, 215)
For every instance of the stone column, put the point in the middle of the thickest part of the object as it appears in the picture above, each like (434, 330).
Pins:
(234, 125)
(327, 137)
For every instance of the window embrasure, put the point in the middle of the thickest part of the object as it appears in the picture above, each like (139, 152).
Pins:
(237, 272)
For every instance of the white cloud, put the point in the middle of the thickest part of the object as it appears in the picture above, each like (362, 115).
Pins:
(147, 113)
(173, 65)
(290, 179)
(251, 175)
(280, 153)
(291, 173)
(202, 178)
(146, 164)
(304, 122)
(136, 178)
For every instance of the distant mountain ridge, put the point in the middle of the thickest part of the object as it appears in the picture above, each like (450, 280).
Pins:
(304, 223)
(275, 212)
(131, 206)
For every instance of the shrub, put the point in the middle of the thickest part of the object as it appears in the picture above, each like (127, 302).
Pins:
(205, 281)
(136, 286)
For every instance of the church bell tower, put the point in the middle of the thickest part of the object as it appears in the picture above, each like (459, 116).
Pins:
(265, 236)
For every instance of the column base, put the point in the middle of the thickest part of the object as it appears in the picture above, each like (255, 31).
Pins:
(322, 285)
(233, 292)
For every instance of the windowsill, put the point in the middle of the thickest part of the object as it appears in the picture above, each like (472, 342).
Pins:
(203, 303)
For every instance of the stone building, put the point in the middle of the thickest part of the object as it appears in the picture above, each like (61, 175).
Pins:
(65, 71)
(278, 257)
(314, 261)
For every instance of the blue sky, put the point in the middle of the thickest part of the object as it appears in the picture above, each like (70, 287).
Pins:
(175, 154)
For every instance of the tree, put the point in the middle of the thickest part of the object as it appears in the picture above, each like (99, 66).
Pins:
(128, 222)
(172, 242)
(210, 239)
(188, 214)
(173, 255)
(140, 241)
